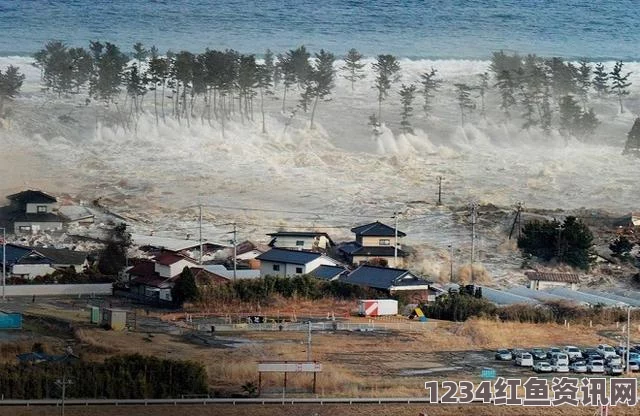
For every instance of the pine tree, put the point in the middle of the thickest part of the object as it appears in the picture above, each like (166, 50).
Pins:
(528, 102)
(407, 95)
(387, 71)
(632, 146)
(158, 70)
(584, 82)
(430, 84)
(620, 83)
(321, 79)
(139, 52)
(601, 80)
(265, 83)
(57, 67)
(546, 114)
(506, 87)
(81, 67)
(108, 67)
(10, 83)
(569, 115)
(465, 103)
(483, 87)
(185, 288)
(287, 71)
(247, 81)
(353, 67)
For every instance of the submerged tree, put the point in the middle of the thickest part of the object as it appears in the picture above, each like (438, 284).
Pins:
(584, 82)
(600, 80)
(387, 71)
(265, 83)
(10, 83)
(321, 80)
(465, 103)
(57, 68)
(482, 88)
(506, 86)
(109, 63)
(430, 84)
(633, 139)
(620, 83)
(407, 95)
(353, 66)
(574, 121)
(158, 72)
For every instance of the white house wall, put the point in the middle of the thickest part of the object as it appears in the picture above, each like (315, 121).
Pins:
(172, 270)
(33, 208)
(32, 270)
(37, 226)
(309, 242)
(287, 269)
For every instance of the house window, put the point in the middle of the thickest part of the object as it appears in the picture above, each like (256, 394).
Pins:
(41, 209)
(276, 267)
(299, 243)
(298, 269)
(24, 228)
(384, 242)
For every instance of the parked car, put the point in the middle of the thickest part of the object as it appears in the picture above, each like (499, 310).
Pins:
(595, 366)
(578, 367)
(613, 370)
(551, 351)
(515, 352)
(613, 359)
(542, 367)
(503, 355)
(524, 359)
(590, 352)
(634, 365)
(573, 352)
(632, 356)
(621, 350)
(538, 354)
(560, 368)
(559, 358)
(606, 350)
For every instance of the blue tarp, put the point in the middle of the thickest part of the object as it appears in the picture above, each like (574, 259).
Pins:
(10, 320)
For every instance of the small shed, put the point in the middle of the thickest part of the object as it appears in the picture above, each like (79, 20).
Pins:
(115, 319)
(546, 280)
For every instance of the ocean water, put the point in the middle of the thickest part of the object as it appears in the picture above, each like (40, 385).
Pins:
(601, 30)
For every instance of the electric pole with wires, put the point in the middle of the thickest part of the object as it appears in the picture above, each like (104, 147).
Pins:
(474, 219)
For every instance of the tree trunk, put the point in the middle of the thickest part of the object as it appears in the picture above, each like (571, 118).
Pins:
(155, 103)
(176, 100)
(284, 97)
(264, 129)
(313, 110)
(162, 101)
(620, 100)
(380, 109)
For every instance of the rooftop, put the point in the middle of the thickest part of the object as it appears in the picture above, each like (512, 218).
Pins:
(325, 272)
(62, 256)
(169, 243)
(553, 277)
(168, 258)
(376, 229)
(32, 197)
(383, 277)
(280, 255)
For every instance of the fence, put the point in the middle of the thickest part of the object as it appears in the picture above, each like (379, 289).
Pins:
(318, 326)
(95, 289)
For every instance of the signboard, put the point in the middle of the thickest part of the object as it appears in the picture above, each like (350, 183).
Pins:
(290, 367)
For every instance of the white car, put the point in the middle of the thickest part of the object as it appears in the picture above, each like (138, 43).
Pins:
(578, 367)
(634, 365)
(605, 350)
(561, 368)
(595, 366)
(614, 370)
(572, 352)
(542, 367)
(614, 359)
(560, 358)
(524, 359)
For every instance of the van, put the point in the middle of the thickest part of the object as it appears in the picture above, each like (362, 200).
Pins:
(524, 359)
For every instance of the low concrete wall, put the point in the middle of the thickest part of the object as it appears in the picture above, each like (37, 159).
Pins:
(59, 290)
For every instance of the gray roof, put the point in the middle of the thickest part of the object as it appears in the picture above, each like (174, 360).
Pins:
(280, 255)
(32, 197)
(62, 256)
(383, 277)
(220, 270)
(325, 272)
(377, 229)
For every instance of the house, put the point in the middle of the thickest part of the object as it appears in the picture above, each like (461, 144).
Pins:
(152, 243)
(375, 242)
(282, 263)
(301, 240)
(77, 215)
(248, 250)
(544, 280)
(153, 279)
(391, 280)
(329, 273)
(33, 211)
(30, 262)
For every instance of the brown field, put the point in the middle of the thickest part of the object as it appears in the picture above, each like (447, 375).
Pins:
(316, 410)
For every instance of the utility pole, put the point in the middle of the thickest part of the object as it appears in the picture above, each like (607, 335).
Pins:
(309, 343)
(628, 335)
(474, 220)
(235, 250)
(63, 385)
(395, 243)
(4, 261)
(439, 178)
(451, 263)
(200, 229)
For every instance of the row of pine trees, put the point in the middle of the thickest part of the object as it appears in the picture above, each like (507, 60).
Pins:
(220, 84)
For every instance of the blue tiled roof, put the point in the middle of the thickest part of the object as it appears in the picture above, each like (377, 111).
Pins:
(327, 272)
(382, 277)
(377, 229)
(279, 255)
